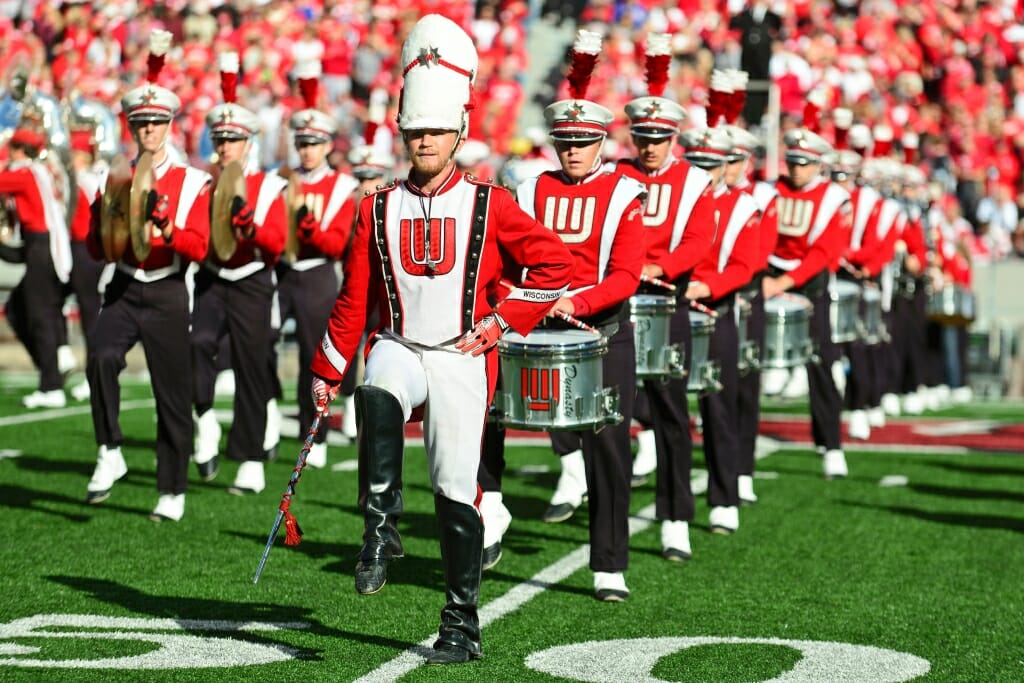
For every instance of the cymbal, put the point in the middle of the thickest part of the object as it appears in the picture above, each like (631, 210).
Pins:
(230, 184)
(140, 228)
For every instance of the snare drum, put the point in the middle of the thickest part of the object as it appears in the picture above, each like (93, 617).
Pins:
(552, 380)
(703, 371)
(872, 327)
(843, 310)
(951, 305)
(749, 356)
(787, 339)
(656, 356)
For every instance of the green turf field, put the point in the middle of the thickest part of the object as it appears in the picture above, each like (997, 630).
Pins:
(844, 581)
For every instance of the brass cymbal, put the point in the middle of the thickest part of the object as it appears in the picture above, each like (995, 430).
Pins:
(230, 184)
(140, 228)
(294, 200)
(114, 232)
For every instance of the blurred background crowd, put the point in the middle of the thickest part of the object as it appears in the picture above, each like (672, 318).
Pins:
(949, 73)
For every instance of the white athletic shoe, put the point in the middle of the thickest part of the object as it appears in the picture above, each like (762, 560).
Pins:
(876, 417)
(797, 386)
(943, 395)
(348, 419)
(646, 460)
(82, 391)
(675, 541)
(891, 404)
(272, 434)
(745, 485)
(962, 395)
(496, 519)
(834, 464)
(207, 441)
(66, 361)
(317, 456)
(913, 404)
(45, 399)
(250, 478)
(857, 425)
(225, 384)
(724, 519)
(170, 507)
(110, 467)
(572, 486)
(610, 587)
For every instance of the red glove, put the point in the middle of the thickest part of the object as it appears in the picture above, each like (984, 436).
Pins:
(159, 210)
(308, 224)
(323, 393)
(483, 336)
(242, 218)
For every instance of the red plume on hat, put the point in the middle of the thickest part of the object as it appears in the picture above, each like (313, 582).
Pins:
(738, 99)
(910, 143)
(720, 94)
(228, 62)
(159, 43)
(657, 57)
(812, 110)
(883, 140)
(842, 119)
(308, 75)
(583, 59)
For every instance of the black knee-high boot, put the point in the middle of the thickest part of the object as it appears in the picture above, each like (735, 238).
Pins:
(462, 542)
(381, 440)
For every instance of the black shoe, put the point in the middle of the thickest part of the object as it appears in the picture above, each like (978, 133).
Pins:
(611, 595)
(558, 513)
(209, 469)
(449, 653)
(371, 575)
(491, 556)
(675, 555)
(722, 530)
(97, 497)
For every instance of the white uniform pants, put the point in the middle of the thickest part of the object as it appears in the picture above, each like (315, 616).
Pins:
(452, 388)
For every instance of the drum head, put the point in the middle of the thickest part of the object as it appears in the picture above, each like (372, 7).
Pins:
(787, 304)
(551, 339)
(844, 289)
(652, 302)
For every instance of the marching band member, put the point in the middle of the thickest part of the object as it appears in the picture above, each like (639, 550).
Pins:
(813, 231)
(308, 285)
(34, 306)
(679, 226)
(728, 265)
(597, 214)
(149, 300)
(737, 171)
(234, 295)
(437, 236)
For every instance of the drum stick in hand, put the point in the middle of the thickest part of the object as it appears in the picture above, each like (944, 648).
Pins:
(698, 306)
(658, 282)
(576, 322)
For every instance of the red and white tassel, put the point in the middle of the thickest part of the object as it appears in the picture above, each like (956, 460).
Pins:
(159, 43)
(657, 58)
(308, 75)
(583, 59)
(228, 63)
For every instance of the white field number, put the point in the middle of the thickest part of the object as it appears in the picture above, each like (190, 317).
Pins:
(174, 649)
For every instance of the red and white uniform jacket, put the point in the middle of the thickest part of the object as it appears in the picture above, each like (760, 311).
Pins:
(430, 277)
(913, 233)
(955, 265)
(679, 214)
(599, 220)
(888, 229)
(865, 240)
(188, 192)
(813, 228)
(266, 198)
(732, 260)
(766, 197)
(39, 211)
(328, 194)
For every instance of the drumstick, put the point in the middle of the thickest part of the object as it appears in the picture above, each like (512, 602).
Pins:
(658, 282)
(701, 308)
(576, 322)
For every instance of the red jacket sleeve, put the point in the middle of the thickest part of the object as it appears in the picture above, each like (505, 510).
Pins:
(193, 240)
(739, 268)
(14, 182)
(870, 242)
(625, 263)
(81, 222)
(270, 237)
(913, 237)
(696, 241)
(333, 240)
(885, 250)
(827, 248)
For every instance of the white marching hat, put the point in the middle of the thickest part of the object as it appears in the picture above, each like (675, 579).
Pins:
(439, 64)
(472, 153)
(744, 143)
(368, 162)
(804, 147)
(311, 124)
(231, 121)
(578, 118)
(706, 147)
(151, 102)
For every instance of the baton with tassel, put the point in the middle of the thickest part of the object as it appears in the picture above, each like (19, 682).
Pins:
(293, 533)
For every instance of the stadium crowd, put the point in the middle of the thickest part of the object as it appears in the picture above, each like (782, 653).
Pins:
(950, 73)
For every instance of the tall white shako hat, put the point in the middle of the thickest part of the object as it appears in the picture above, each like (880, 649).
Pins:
(151, 102)
(654, 116)
(706, 147)
(231, 121)
(439, 65)
(309, 123)
(578, 118)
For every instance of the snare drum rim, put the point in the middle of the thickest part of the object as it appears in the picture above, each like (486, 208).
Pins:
(576, 350)
(646, 304)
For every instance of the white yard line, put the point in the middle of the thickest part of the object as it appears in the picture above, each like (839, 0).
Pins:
(57, 413)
